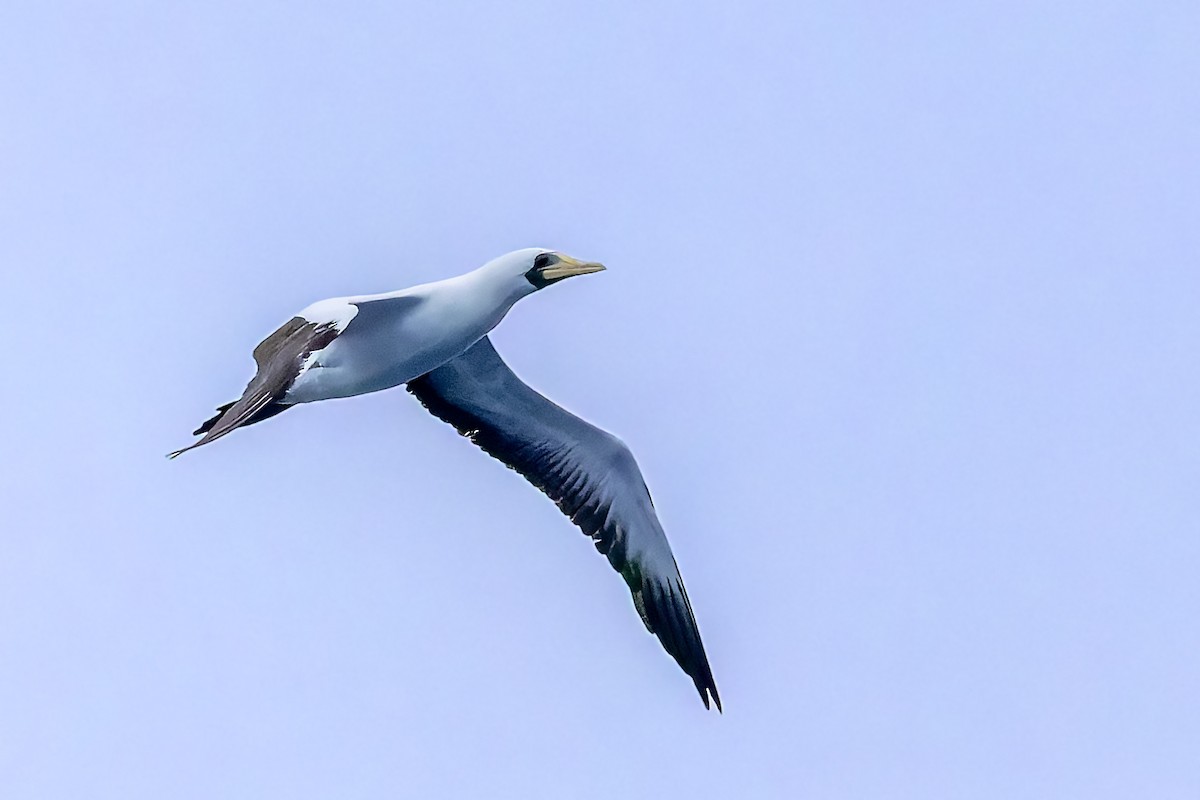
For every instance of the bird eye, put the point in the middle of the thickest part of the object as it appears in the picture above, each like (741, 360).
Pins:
(541, 263)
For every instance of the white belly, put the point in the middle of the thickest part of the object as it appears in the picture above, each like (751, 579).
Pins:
(346, 374)
(378, 351)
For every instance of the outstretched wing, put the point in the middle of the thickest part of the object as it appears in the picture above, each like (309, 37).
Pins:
(280, 359)
(588, 472)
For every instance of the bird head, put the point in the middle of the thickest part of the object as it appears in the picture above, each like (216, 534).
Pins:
(548, 266)
(537, 267)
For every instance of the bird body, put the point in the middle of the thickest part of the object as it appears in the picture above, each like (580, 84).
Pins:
(389, 339)
(434, 338)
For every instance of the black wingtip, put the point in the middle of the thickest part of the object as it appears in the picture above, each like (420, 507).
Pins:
(708, 691)
(672, 621)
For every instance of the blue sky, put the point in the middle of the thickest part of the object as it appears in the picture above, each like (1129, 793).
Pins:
(900, 321)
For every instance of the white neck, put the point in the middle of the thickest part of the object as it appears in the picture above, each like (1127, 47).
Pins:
(495, 281)
(477, 301)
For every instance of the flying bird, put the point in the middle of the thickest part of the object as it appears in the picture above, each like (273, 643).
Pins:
(434, 338)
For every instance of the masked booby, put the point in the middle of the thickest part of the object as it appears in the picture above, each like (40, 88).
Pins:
(433, 338)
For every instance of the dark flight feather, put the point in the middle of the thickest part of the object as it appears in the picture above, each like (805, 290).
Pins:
(280, 359)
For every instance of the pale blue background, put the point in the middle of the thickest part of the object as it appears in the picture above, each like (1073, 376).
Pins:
(901, 321)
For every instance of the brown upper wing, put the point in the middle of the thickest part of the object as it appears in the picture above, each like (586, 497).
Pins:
(280, 359)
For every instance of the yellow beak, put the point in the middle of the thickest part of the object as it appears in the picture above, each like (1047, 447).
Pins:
(568, 267)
